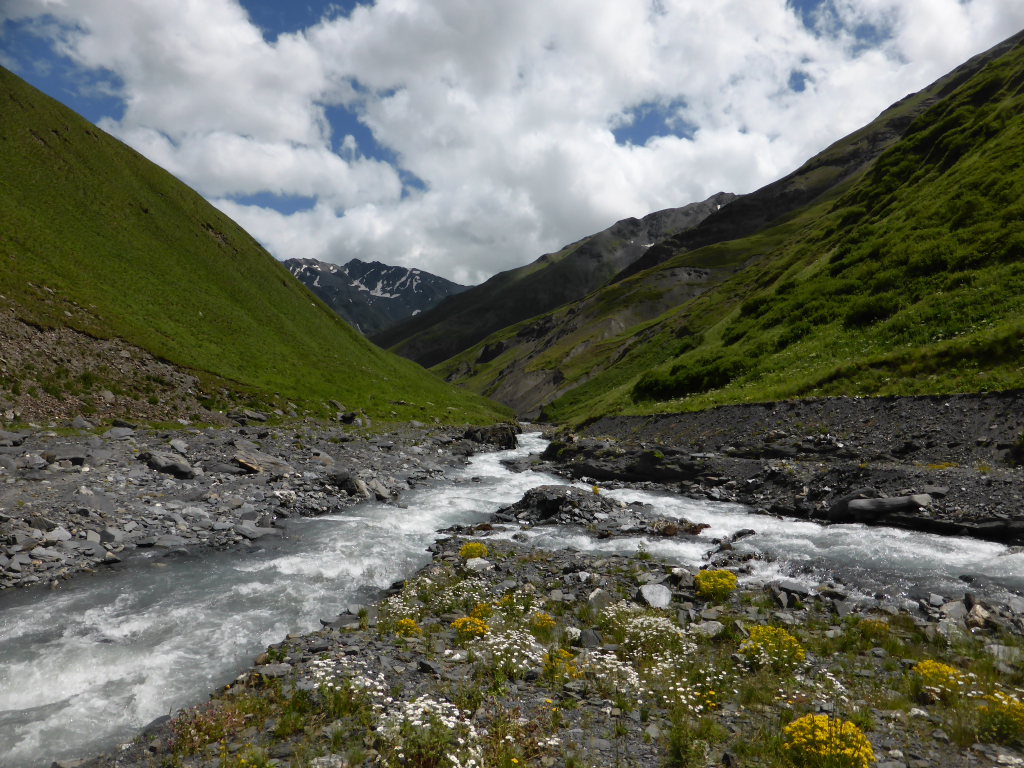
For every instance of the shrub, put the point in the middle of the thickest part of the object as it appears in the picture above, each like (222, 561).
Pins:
(938, 681)
(715, 585)
(469, 628)
(772, 648)
(820, 740)
(866, 310)
(408, 628)
(1001, 719)
(473, 549)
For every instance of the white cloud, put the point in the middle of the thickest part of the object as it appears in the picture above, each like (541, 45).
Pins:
(504, 110)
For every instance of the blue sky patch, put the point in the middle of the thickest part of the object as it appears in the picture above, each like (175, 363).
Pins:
(275, 18)
(651, 119)
(286, 204)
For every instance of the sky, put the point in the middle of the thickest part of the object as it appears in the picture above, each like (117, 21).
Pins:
(466, 137)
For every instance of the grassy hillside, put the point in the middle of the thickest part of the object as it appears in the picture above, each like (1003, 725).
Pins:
(907, 278)
(550, 281)
(96, 238)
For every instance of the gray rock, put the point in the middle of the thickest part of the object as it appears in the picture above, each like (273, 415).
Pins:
(599, 599)
(60, 533)
(119, 433)
(654, 595)
(80, 422)
(169, 541)
(111, 535)
(708, 629)
(169, 464)
(256, 461)
(274, 670)
(478, 565)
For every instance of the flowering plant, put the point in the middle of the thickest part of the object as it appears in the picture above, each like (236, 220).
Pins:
(470, 627)
(820, 740)
(428, 732)
(513, 652)
(473, 549)
(940, 682)
(772, 648)
(715, 585)
(1001, 719)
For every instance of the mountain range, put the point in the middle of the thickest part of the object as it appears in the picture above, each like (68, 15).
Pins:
(890, 263)
(371, 296)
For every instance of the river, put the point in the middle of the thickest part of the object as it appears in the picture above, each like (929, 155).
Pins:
(83, 668)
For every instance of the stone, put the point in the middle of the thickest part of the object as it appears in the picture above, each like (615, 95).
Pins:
(599, 599)
(255, 461)
(169, 464)
(60, 533)
(978, 617)
(1005, 653)
(708, 629)
(274, 670)
(654, 595)
(478, 565)
(169, 541)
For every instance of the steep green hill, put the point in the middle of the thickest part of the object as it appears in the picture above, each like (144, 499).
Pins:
(908, 277)
(96, 238)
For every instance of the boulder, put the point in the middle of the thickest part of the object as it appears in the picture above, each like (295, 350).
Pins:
(654, 595)
(169, 464)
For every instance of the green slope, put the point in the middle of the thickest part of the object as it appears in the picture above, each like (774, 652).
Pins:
(552, 280)
(95, 237)
(907, 278)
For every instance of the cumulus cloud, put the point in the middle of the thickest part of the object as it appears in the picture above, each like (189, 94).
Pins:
(501, 118)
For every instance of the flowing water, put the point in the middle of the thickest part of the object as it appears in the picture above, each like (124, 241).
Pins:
(84, 667)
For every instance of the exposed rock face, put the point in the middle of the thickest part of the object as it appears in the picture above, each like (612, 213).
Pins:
(372, 296)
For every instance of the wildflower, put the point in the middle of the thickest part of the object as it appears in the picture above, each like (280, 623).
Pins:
(715, 585)
(815, 740)
(408, 628)
(473, 549)
(940, 682)
(1001, 719)
(512, 652)
(772, 648)
(469, 627)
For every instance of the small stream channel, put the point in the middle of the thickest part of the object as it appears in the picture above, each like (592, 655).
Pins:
(84, 667)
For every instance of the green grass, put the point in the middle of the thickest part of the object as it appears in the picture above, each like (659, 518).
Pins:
(907, 278)
(95, 237)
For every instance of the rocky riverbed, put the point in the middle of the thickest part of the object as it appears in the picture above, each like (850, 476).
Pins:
(507, 654)
(948, 465)
(81, 498)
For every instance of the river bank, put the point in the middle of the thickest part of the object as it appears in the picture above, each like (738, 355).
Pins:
(503, 653)
(83, 498)
(949, 465)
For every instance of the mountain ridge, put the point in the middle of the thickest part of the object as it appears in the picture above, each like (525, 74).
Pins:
(548, 282)
(397, 292)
